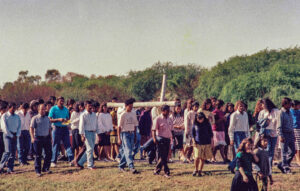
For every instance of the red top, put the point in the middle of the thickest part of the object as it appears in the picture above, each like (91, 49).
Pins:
(219, 120)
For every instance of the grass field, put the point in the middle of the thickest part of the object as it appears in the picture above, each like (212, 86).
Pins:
(107, 177)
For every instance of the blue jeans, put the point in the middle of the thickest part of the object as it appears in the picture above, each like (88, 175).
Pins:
(24, 146)
(61, 134)
(10, 152)
(271, 149)
(90, 144)
(137, 144)
(126, 151)
(239, 136)
(288, 150)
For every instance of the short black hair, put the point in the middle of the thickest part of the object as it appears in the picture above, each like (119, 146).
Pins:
(129, 101)
(3, 105)
(12, 104)
(61, 97)
(25, 105)
(165, 108)
(195, 104)
(285, 101)
(88, 102)
(41, 101)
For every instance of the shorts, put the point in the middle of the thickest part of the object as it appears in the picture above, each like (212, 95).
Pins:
(203, 152)
(105, 139)
(76, 139)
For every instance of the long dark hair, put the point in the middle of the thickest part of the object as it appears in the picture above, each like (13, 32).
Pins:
(269, 105)
(261, 138)
(227, 107)
(101, 107)
(207, 101)
(243, 144)
(201, 115)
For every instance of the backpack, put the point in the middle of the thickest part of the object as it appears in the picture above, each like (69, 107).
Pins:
(262, 124)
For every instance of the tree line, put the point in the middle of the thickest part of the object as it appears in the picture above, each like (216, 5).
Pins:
(268, 73)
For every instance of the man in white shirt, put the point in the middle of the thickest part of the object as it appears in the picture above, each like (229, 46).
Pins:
(24, 139)
(11, 127)
(127, 136)
(88, 128)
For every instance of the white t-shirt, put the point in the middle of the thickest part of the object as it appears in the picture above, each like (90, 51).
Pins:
(128, 121)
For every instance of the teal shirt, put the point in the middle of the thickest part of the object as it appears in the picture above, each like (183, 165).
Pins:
(56, 113)
(245, 160)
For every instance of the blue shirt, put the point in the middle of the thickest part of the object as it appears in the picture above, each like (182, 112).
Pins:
(296, 118)
(56, 113)
(11, 124)
(285, 125)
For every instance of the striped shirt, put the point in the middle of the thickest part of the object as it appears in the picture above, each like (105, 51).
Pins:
(178, 123)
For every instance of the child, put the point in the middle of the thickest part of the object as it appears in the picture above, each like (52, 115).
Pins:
(263, 171)
(243, 179)
(202, 138)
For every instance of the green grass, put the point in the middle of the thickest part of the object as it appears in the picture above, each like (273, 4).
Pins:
(107, 177)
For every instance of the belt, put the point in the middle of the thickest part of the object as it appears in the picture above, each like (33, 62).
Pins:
(127, 131)
(60, 126)
(90, 131)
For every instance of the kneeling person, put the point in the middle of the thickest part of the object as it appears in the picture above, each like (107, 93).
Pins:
(40, 132)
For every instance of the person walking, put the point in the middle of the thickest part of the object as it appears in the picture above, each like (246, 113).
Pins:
(40, 132)
(11, 127)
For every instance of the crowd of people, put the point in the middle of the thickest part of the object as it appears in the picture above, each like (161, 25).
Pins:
(81, 132)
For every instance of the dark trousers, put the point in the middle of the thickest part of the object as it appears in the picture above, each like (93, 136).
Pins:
(24, 146)
(288, 150)
(39, 144)
(1, 145)
(163, 146)
(150, 148)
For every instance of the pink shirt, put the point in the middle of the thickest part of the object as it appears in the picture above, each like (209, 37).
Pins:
(163, 126)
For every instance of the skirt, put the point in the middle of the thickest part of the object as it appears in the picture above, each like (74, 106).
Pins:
(219, 138)
(203, 151)
(239, 185)
(105, 139)
(297, 137)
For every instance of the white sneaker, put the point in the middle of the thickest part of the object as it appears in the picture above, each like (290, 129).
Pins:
(53, 165)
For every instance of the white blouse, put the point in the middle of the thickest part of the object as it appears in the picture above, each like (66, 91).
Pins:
(105, 122)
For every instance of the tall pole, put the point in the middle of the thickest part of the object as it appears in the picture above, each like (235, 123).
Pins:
(163, 87)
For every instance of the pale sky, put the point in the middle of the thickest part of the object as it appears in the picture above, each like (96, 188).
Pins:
(113, 37)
